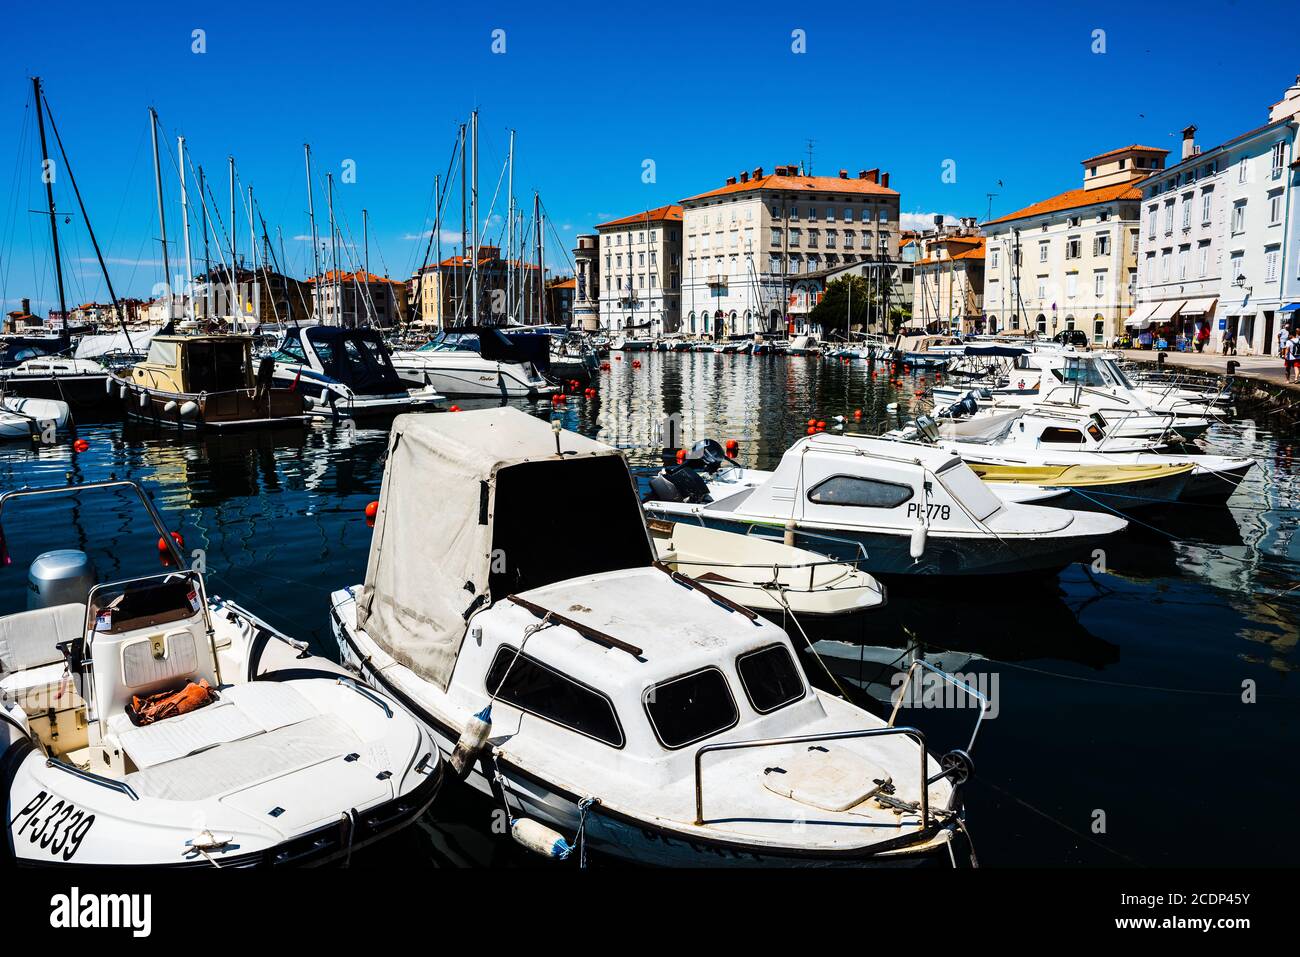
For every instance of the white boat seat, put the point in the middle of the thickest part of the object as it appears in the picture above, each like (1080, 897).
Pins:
(243, 711)
(238, 764)
(28, 639)
(41, 688)
(826, 776)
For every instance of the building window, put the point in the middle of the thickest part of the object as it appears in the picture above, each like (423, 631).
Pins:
(1203, 258)
(1239, 216)
(1042, 252)
(1099, 286)
(1183, 252)
(1243, 169)
(1271, 257)
(1169, 218)
(1275, 207)
(1071, 285)
(1072, 248)
(1101, 244)
(1207, 200)
(993, 258)
(1187, 211)
(1235, 267)
(1277, 159)
(1153, 214)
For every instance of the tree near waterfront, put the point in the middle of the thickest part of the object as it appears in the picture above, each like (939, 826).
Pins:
(851, 302)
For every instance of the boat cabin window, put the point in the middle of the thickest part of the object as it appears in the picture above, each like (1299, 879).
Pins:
(216, 366)
(1084, 373)
(770, 678)
(531, 686)
(859, 492)
(291, 351)
(690, 708)
(1095, 431)
(162, 353)
(555, 519)
(1059, 436)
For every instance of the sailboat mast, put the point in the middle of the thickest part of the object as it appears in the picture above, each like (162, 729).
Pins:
(207, 257)
(464, 234)
(185, 224)
(437, 256)
(234, 243)
(162, 218)
(473, 276)
(47, 176)
(541, 275)
(315, 237)
(334, 250)
(365, 239)
(510, 223)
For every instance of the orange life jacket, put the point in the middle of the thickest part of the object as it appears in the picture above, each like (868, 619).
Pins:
(167, 703)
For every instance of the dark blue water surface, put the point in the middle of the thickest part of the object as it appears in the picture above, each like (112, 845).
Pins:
(1121, 733)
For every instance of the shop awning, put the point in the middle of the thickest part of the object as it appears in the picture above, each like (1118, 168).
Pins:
(1167, 310)
(1291, 307)
(1141, 317)
(1199, 307)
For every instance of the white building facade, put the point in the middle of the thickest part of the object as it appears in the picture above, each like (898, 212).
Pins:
(639, 272)
(1216, 248)
(752, 246)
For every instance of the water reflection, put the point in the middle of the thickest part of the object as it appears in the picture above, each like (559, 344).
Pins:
(1104, 676)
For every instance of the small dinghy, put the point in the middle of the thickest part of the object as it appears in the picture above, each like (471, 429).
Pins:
(763, 575)
(24, 418)
(605, 703)
(142, 723)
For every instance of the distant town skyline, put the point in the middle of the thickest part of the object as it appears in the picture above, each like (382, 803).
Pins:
(616, 110)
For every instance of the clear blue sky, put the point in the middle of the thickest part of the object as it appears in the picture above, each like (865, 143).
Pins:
(1006, 91)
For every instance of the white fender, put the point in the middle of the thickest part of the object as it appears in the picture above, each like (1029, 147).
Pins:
(917, 546)
(170, 406)
(539, 838)
(189, 408)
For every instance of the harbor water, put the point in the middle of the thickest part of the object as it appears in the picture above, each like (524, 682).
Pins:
(1143, 707)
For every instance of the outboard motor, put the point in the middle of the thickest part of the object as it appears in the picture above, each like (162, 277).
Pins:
(680, 483)
(61, 577)
(706, 454)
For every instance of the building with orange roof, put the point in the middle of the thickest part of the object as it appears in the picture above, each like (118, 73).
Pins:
(640, 266)
(749, 242)
(509, 290)
(358, 298)
(948, 279)
(1069, 262)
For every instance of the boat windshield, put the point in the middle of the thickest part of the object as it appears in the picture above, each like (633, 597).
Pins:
(1084, 372)
(217, 365)
(967, 488)
(451, 342)
(1112, 367)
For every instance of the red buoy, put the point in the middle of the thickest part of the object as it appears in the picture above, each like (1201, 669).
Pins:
(821, 423)
(812, 421)
(372, 510)
(176, 537)
(454, 408)
(681, 456)
(81, 445)
(732, 447)
(812, 429)
(857, 413)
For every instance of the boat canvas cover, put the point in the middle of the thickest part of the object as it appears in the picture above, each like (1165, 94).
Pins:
(1006, 352)
(431, 555)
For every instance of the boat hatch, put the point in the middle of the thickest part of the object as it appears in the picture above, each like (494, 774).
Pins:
(828, 777)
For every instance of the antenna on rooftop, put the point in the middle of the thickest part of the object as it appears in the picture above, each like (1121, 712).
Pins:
(809, 171)
(990, 196)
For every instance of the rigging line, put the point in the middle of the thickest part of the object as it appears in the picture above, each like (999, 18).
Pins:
(1059, 823)
(1082, 679)
(24, 127)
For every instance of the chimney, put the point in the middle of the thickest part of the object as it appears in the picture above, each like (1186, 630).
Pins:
(1189, 142)
(758, 172)
(731, 181)
(27, 307)
(744, 176)
(871, 175)
(862, 174)
(884, 180)
(844, 174)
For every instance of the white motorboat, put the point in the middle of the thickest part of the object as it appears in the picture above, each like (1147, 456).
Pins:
(764, 575)
(477, 363)
(630, 344)
(804, 346)
(894, 508)
(346, 372)
(604, 702)
(1041, 436)
(27, 418)
(1088, 380)
(143, 723)
(82, 383)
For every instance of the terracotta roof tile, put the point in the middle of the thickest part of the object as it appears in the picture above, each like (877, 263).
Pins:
(358, 276)
(671, 213)
(1125, 149)
(1075, 199)
(823, 184)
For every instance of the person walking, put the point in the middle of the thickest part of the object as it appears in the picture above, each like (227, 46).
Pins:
(1293, 355)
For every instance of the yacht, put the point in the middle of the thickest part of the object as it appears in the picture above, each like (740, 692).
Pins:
(24, 418)
(893, 507)
(480, 363)
(39, 368)
(551, 674)
(804, 346)
(206, 382)
(346, 372)
(144, 723)
(630, 344)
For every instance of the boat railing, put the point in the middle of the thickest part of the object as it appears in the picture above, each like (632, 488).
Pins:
(901, 696)
(776, 568)
(93, 778)
(912, 733)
